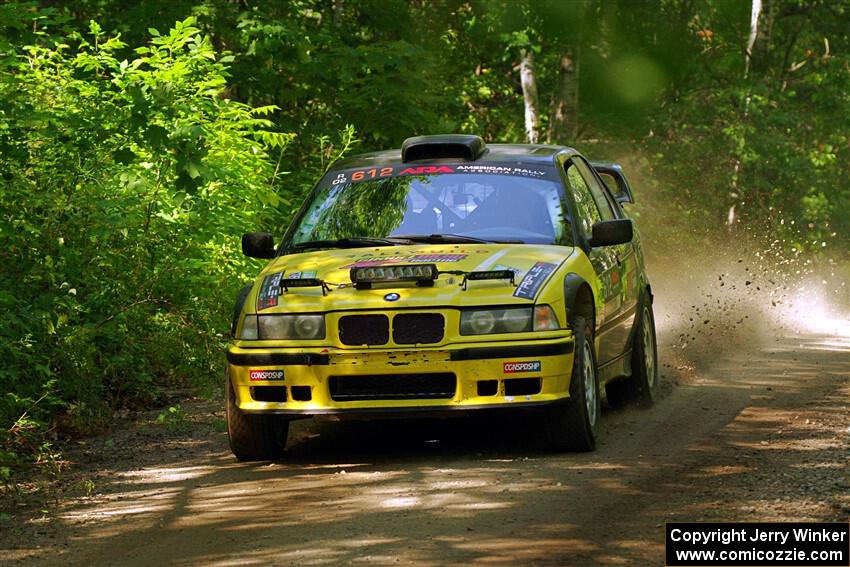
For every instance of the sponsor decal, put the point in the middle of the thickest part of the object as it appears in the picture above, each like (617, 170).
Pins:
(270, 375)
(365, 174)
(429, 258)
(503, 170)
(310, 274)
(533, 280)
(513, 367)
(269, 291)
(516, 271)
(369, 261)
(426, 169)
(514, 169)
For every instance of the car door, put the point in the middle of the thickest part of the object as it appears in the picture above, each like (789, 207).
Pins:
(624, 291)
(603, 259)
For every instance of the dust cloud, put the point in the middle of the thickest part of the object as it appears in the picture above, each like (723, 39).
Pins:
(720, 289)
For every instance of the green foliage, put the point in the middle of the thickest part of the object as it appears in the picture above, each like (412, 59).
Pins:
(172, 418)
(772, 144)
(127, 180)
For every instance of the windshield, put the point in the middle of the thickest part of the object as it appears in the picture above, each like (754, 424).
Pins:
(503, 203)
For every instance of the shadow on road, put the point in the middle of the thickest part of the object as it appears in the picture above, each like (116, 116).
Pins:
(757, 436)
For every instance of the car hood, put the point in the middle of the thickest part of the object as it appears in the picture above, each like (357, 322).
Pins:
(333, 266)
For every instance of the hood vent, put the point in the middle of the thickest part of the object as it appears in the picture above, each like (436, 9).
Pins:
(459, 146)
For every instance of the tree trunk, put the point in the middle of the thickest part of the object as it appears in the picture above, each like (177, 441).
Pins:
(339, 10)
(563, 124)
(754, 32)
(529, 95)
(751, 41)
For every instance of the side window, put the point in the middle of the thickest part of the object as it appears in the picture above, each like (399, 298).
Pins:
(599, 192)
(587, 212)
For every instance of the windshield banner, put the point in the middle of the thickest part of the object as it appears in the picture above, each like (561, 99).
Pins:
(533, 171)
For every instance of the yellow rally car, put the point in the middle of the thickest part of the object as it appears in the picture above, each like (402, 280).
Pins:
(448, 276)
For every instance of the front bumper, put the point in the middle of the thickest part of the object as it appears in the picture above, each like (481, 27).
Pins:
(517, 374)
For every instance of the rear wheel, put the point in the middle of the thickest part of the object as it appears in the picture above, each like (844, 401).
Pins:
(574, 425)
(645, 357)
(254, 437)
(642, 385)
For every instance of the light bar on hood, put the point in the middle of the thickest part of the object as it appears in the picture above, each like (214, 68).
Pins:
(287, 283)
(489, 275)
(422, 274)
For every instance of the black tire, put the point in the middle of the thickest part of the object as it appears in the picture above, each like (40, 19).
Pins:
(645, 357)
(642, 385)
(574, 425)
(254, 437)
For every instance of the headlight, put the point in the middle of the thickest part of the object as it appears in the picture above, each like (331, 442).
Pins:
(283, 327)
(487, 321)
(310, 327)
(479, 323)
(515, 320)
(508, 320)
(275, 326)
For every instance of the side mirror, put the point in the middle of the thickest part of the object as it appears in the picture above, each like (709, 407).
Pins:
(612, 232)
(258, 245)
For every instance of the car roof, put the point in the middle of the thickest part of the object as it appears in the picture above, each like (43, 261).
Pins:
(494, 153)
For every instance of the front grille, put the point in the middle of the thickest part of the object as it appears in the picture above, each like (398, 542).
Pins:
(355, 330)
(393, 387)
(418, 328)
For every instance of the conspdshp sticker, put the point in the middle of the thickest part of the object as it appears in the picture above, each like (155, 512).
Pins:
(270, 375)
(533, 280)
(513, 367)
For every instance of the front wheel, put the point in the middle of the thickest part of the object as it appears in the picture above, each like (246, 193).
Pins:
(574, 425)
(254, 437)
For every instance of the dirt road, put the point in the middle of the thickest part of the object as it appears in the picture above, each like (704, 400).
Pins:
(753, 424)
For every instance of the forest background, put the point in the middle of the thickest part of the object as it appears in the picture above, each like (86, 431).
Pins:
(139, 140)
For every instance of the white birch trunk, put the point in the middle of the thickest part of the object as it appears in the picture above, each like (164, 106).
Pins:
(754, 32)
(529, 95)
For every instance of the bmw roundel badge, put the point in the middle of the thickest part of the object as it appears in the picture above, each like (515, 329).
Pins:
(392, 297)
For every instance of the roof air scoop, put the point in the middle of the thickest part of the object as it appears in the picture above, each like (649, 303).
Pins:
(459, 146)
